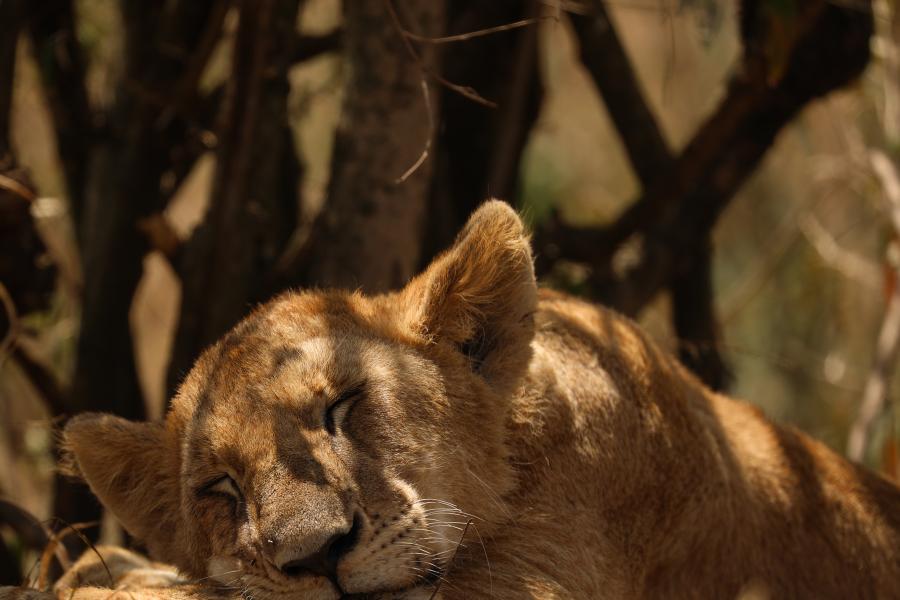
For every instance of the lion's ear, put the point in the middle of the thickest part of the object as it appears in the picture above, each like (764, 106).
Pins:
(133, 469)
(481, 294)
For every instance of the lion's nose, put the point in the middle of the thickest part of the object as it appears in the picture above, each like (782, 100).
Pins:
(324, 560)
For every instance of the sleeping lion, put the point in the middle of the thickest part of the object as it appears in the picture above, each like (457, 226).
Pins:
(471, 436)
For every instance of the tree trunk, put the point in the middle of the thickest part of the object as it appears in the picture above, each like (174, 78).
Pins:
(369, 235)
(479, 149)
(122, 187)
(253, 205)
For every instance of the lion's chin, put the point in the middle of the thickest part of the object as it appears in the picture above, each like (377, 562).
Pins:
(349, 585)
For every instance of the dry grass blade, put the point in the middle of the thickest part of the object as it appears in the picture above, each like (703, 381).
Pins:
(76, 529)
(54, 548)
(46, 561)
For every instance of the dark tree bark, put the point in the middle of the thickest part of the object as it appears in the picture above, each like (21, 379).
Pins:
(830, 48)
(826, 46)
(605, 59)
(253, 204)
(122, 188)
(10, 24)
(695, 321)
(52, 25)
(693, 308)
(478, 148)
(369, 234)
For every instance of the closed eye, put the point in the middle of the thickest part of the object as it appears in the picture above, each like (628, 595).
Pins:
(337, 411)
(220, 486)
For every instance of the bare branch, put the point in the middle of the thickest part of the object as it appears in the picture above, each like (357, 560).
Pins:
(10, 24)
(851, 266)
(605, 58)
(462, 37)
(875, 393)
(463, 90)
(696, 324)
(887, 350)
(16, 187)
(426, 97)
(479, 150)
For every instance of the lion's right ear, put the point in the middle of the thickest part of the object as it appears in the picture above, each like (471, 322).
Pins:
(480, 295)
(133, 469)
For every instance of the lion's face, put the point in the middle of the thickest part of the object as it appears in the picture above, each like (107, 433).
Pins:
(331, 443)
(311, 457)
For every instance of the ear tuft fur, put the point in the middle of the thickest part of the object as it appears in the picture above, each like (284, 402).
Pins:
(481, 294)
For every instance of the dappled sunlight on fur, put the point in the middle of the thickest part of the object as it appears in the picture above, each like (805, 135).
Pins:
(469, 436)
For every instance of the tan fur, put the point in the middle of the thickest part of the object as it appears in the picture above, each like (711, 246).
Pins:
(579, 460)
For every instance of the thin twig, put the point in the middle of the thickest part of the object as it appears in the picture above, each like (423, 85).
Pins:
(875, 393)
(19, 189)
(422, 157)
(463, 90)
(13, 316)
(462, 37)
(887, 349)
(889, 179)
(853, 267)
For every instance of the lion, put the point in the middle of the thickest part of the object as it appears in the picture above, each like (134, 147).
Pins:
(472, 436)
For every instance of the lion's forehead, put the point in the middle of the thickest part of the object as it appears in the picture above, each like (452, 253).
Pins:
(266, 393)
(288, 371)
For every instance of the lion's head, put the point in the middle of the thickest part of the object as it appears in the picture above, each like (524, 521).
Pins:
(332, 442)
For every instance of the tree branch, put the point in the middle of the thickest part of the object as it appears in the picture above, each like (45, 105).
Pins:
(478, 150)
(605, 58)
(827, 46)
(874, 398)
(693, 310)
(385, 125)
(10, 24)
(124, 186)
(875, 393)
(254, 191)
(696, 324)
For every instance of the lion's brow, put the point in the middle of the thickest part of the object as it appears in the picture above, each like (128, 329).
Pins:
(283, 355)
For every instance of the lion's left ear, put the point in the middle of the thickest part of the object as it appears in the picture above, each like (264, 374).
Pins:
(133, 469)
(481, 294)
